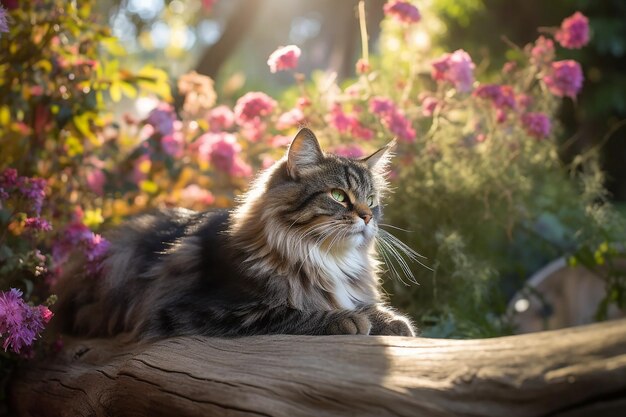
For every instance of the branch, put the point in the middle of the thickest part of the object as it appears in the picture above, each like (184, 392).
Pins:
(571, 372)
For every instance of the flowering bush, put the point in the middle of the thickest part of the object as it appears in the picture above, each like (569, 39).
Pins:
(476, 169)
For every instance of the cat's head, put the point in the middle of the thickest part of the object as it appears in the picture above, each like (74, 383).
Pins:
(322, 199)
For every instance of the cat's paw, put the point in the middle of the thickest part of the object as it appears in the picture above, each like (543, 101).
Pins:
(353, 323)
(397, 326)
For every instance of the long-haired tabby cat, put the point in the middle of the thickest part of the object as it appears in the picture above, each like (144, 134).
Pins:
(297, 256)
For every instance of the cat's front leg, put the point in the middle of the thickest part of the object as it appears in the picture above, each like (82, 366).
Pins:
(387, 322)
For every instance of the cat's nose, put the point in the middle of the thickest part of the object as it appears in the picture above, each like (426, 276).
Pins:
(366, 217)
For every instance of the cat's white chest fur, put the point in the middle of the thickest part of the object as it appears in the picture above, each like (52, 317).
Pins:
(338, 270)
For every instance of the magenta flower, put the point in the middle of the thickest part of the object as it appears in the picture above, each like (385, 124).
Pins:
(339, 119)
(284, 58)
(4, 24)
(174, 144)
(252, 106)
(381, 105)
(20, 324)
(456, 68)
(220, 118)
(537, 124)
(37, 224)
(254, 131)
(280, 141)
(162, 119)
(8, 178)
(574, 31)
(402, 11)
(393, 118)
(565, 78)
(542, 51)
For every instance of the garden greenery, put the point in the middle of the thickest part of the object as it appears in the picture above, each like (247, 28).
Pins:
(479, 188)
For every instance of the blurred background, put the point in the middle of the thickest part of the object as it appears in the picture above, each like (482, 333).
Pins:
(231, 40)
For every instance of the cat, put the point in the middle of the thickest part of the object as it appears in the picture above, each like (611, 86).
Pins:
(296, 256)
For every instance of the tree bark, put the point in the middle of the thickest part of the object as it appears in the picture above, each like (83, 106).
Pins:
(565, 373)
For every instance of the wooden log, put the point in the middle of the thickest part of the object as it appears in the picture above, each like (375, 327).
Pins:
(565, 373)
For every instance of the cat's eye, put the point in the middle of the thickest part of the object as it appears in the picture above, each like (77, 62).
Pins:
(370, 201)
(339, 195)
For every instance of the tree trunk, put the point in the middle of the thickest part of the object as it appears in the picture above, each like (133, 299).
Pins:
(571, 372)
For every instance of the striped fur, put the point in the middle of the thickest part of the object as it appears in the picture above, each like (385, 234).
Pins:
(289, 259)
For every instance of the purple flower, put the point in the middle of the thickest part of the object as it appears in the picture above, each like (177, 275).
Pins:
(174, 144)
(220, 118)
(20, 324)
(501, 96)
(537, 124)
(33, 189)
(574, 31)
(456, 68)
(4, 25)
(381, 105)
(283, 58)
(402, 11)
(162, 119)
(37, 224)
(565, 78)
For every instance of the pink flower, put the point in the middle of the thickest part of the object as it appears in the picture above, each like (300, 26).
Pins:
(542, 52)
(362, 66)
(345, 123)
(96, 180)
(222, 150)
(509, 67)
(303, 102)
(340, 120)
(537, 124)
(195, 194)
(95, 248)
(253, 106)
(279, 141)
(292, 118)
(349, 151)
(524, 100)
(173, 144)
(220, 118)
(207, 5)
(254, 131)
(429, 104)
(20, 324)
(402, 11)
(501, 96)
(285, 57)
(393, 118)
(565, 78)
(162, 119)
(456, 68)
(4, 25)
(574, 31)
(37, 224)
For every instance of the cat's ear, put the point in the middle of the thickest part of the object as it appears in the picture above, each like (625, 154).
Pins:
(379, 160)
(304, 151)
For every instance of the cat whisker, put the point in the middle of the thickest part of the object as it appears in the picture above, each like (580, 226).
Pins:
(391, 268)
(395, 227)
(401, 262)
